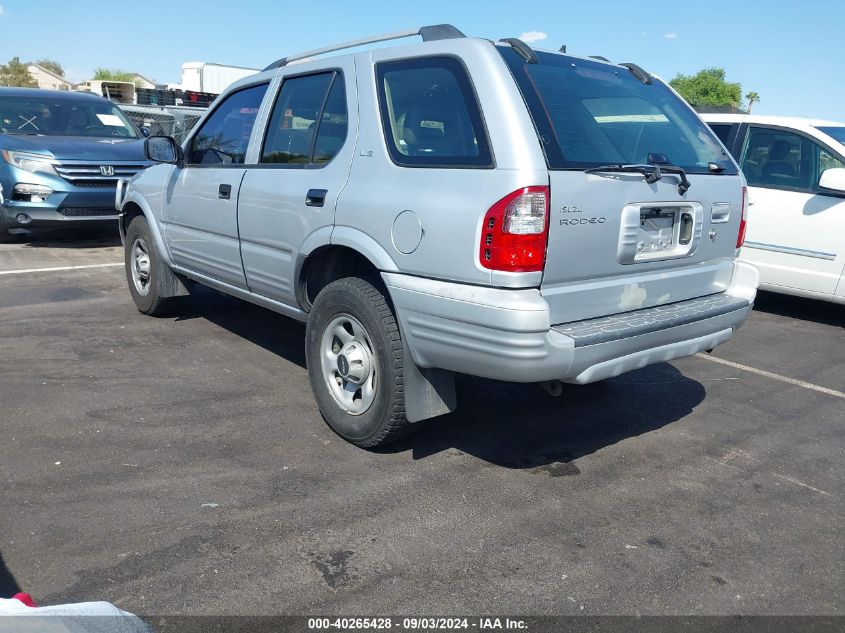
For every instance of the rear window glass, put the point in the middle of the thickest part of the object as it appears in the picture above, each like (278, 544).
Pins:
(430, 114)
(590, 114)
(293, 125)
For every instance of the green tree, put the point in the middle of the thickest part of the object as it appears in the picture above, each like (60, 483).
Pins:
(752, 98)
(708, 87)
(113, 74)
(52, 65)
(16, 73)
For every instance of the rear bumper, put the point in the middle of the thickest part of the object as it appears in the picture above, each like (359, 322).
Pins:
(506, 334)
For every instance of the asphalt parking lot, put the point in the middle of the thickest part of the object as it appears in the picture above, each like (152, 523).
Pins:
(180, 465)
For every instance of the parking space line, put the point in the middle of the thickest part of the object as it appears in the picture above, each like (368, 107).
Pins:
(802, 484)
(773, 376)
(57, 269)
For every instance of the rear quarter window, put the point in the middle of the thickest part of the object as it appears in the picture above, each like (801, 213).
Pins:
(430, 114)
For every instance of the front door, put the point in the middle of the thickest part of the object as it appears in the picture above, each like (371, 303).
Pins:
(795, 229)
(199, 209)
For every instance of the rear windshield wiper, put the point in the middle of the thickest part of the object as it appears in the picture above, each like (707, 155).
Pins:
(684, 184)
(652, 173)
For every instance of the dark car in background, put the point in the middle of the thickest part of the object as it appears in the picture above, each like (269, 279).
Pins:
(61, 156)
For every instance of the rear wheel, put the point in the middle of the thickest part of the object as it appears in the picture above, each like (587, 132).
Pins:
(150, 279)
(356, 363)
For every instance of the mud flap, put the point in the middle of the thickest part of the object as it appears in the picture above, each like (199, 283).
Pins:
(428, 392)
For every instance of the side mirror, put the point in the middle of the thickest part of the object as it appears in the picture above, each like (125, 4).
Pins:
(145, 132)
(833, 180)
(162, 149)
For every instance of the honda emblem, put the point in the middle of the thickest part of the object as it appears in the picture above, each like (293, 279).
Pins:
(106, 170)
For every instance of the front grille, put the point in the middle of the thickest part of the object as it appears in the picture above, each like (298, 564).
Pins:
(89, 173)
(99, 184)
(87, 212)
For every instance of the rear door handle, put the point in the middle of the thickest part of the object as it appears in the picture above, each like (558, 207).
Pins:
(315, 197)
(224, 192)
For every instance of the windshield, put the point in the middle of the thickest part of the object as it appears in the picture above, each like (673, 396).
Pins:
(591, 114)
(63, 116)
(835, 132)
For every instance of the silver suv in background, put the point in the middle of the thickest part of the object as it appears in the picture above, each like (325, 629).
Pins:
(451, 206)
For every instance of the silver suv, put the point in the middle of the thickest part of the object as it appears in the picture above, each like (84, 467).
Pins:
(455, 205)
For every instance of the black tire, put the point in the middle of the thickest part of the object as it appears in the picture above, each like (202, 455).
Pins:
(384, 421)
(161, 282)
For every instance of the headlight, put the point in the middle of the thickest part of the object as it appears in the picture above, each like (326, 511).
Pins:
(36, 163)
(31, 193)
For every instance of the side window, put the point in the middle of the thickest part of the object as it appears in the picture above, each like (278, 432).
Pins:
(331, 134)
(828, 161)
(779, 159)
(307, 125)
(430, 114)
(224, 137)
(722, 130)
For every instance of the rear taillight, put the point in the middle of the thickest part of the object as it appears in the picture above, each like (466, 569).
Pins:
(515, 232)
(740, 237)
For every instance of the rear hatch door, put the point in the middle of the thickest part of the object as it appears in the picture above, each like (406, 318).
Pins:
(623, 234)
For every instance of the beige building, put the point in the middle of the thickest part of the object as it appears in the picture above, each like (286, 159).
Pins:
(47, 79)
(143, 82)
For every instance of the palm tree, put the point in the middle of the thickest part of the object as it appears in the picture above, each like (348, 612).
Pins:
(752, 98)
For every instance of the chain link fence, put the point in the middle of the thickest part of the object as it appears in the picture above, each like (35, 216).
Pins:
(172, 121)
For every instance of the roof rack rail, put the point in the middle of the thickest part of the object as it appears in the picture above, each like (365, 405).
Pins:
(525, 51)
(428, 34)
(601, 58)
(638, 72)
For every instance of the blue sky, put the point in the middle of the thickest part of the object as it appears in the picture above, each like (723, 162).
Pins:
(791, 53)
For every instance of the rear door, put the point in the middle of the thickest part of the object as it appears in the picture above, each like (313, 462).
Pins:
(303, 166)
(617, 242)
(796, 231)
(199, 210)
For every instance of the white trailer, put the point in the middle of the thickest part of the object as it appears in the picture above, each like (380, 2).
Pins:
(213, 78)
(117, 91)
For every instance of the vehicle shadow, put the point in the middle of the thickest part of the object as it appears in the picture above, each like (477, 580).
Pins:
(273, 332)
(510, 425)
(824, 312)
(519, 426)
(76, 238)
(8, 585)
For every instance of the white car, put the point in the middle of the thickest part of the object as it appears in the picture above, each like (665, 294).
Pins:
(795, 170)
